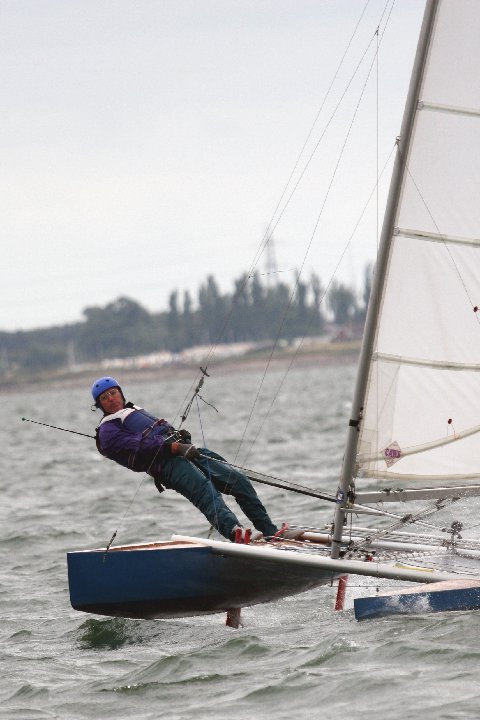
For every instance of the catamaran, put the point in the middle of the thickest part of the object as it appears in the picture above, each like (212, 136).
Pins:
(414, 432)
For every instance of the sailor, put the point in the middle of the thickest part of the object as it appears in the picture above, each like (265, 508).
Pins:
(134, 438)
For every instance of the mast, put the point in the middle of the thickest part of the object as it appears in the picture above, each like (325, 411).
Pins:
(380, 273)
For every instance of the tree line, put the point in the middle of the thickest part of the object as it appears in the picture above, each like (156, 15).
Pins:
(253, 311)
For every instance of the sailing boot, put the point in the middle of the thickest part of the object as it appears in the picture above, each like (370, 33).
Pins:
(244, 536)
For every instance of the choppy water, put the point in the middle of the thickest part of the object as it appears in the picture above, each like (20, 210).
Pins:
(293, 659)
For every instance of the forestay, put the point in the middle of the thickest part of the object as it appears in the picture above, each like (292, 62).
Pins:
(421, 419)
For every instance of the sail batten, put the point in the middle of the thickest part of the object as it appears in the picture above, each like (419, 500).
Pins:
(423, 378)
(410, 477)
(437, 237)
(420, 362)
(437, 107)
(404, 452)
(396, 495)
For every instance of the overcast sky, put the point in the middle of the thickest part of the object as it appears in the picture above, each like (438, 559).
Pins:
(146, 143)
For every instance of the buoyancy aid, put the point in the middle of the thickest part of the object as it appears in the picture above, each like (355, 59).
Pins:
(135, 420)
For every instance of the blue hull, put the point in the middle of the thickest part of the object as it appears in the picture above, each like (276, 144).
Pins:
(430, 601)
(162, 582)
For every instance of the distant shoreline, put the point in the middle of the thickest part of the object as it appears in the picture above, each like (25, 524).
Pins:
(324, 354)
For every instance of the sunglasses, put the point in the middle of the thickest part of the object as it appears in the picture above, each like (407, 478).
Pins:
(109, 393)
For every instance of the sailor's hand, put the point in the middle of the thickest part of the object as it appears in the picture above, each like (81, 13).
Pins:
(186, 450)
(185, 436)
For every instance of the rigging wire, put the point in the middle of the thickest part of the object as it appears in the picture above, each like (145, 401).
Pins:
(122, 519)
(132, 499)
(322, 298)
(327, 125)
(56, 427)
(273, 481)
(440, 504)
(209, 474)
(459, 275)
(437, 506)
(317, 222)
(444, 242)
(269, 233)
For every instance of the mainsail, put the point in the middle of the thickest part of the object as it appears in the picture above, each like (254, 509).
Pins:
(420, 424)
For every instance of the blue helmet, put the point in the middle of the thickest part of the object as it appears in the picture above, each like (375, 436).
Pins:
(102, 384)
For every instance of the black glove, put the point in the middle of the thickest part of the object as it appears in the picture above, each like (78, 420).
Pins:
(185, 436)
(186, 450)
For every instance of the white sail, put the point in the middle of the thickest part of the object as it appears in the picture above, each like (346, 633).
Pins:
(421, 417)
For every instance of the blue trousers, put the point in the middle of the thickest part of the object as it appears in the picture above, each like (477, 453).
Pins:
(203, 482)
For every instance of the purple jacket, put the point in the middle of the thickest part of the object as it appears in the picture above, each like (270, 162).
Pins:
(135, 439)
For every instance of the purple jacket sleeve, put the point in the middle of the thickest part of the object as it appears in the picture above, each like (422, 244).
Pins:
(131, 450)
